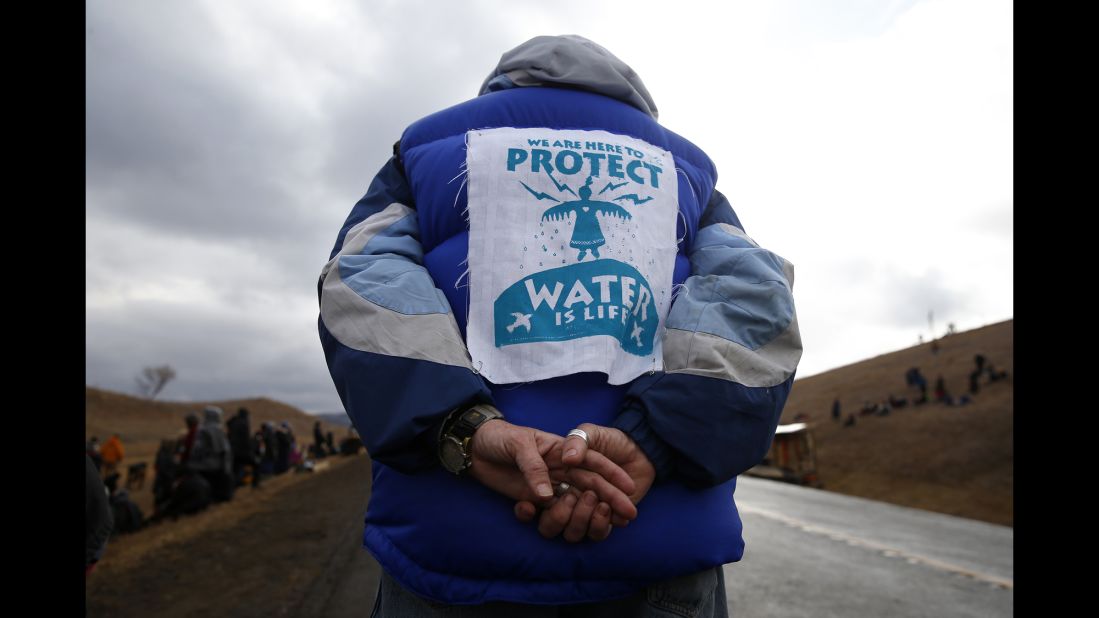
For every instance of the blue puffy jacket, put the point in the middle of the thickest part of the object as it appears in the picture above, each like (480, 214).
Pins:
(394, 315)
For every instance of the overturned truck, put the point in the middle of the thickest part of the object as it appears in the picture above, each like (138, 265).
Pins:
(792, 457)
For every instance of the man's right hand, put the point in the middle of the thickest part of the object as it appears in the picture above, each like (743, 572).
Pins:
(619, 448)
(578, 514)
(523, 463)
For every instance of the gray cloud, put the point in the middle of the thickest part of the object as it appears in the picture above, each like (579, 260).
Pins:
(182, 147)
(216, 182)
(217, 354)
(906, 299)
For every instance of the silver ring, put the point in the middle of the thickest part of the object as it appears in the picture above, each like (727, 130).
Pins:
(579, 433)
(561, 489)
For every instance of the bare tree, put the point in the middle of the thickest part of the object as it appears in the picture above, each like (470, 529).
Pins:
(152, 380)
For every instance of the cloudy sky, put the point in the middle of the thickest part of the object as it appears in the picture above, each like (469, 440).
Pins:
(868, 142)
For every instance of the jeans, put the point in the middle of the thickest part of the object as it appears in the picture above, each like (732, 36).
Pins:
(700, 595)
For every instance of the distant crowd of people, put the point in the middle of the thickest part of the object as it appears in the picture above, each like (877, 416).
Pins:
(984, 368)
(917, 385)
(206, 464)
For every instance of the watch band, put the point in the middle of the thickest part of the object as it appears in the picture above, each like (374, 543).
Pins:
(457, 433)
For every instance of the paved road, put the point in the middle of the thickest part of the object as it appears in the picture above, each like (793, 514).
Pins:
(348, 584)
(815, 553)
(809, 553)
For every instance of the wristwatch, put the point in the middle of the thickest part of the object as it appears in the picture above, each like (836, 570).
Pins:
(457, 435)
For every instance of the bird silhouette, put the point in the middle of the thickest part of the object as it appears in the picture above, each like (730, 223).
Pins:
(521, 319)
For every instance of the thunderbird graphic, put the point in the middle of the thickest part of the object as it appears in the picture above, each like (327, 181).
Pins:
(586, 235)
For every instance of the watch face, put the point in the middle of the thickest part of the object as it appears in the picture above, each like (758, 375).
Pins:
(451, 455)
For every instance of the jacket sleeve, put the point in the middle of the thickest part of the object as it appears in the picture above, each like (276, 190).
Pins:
(391, 341)
(731, 348)
(98, 520)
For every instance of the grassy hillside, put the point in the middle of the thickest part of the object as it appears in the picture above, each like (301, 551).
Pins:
(142, 424)
(955, 460)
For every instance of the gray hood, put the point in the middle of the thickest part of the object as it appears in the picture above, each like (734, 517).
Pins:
(573, 60)
(212, 414)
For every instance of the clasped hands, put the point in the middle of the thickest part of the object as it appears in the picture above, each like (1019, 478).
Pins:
(606, 477)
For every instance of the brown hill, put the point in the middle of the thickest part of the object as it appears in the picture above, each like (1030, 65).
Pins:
(142, 424)
(951, 459)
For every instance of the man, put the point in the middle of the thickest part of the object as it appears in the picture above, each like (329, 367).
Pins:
(318, 441)
(284, 439)
(212, 455)
(270, 449)
(187, 440)
(468, 326)
(98, 520)
(113, 453)
(240, 439)
(92, 448)
(166, 468)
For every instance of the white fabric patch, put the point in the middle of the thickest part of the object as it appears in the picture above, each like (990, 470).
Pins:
(572, 245)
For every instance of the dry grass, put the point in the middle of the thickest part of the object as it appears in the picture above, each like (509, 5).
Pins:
(258, 555)
(955, 460)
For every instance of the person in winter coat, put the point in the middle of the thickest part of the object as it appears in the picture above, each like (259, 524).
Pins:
(127, 515)
(240, 438)
(509, 350)
(113, 453)
(284, 439)
(212, 456)
(93, 450)
(270, 449)
(318, 440)
(187, 440)
(98, 518)
(191, 494)
(166, 467)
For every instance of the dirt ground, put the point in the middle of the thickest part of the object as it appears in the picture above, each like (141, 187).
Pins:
(283, 550)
